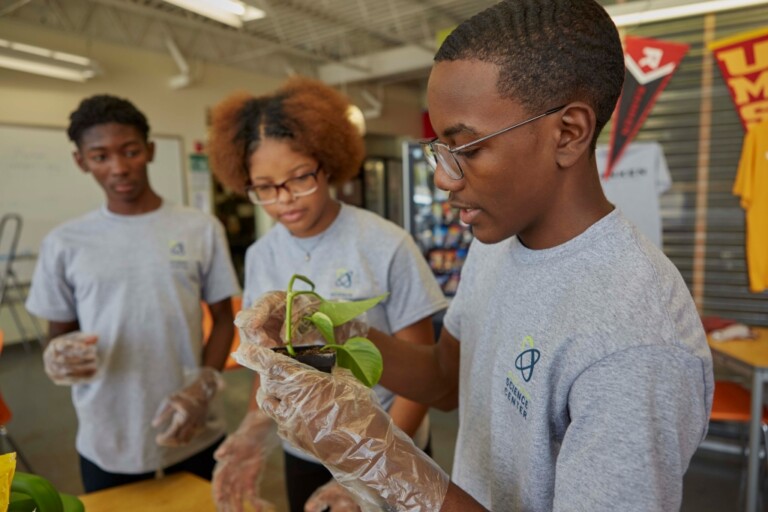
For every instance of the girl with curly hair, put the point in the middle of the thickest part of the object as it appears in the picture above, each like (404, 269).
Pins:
(285, 151)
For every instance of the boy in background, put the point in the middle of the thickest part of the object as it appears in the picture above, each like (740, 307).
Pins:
(121, 288)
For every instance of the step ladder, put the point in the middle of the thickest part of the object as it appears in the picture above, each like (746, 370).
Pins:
(13, 292)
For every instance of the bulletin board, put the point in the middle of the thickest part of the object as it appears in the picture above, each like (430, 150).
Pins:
(40, 181)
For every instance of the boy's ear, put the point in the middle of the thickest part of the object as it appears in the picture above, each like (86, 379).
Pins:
(577, 126)
(151, 151)
(80, 160)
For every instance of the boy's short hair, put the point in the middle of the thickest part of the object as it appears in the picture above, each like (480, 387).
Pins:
(103, 109)
(306, 113)
(549, 53)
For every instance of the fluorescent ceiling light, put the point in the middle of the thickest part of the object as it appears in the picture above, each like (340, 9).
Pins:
(229, 12)
(650, 11)
(40, 68)
(42, 61)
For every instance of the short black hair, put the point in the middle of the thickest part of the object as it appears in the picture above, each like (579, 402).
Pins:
(103, 109)
(549, 53)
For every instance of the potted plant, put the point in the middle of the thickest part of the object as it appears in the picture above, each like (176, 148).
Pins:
(357, 354)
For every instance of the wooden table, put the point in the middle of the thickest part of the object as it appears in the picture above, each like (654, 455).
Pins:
(748, 357)
(182, 492)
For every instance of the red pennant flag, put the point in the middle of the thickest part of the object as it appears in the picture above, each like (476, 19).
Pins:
(743, 61)
(650, 64)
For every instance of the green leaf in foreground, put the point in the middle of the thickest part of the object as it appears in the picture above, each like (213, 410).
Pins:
(362, 357)
(342, 312)
(359, 355)
(324, 325)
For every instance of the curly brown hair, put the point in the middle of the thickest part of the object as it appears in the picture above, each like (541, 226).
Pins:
(310, 115)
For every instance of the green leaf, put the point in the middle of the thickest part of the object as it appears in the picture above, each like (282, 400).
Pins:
(324, 325)
(362, 357)
(342, 312)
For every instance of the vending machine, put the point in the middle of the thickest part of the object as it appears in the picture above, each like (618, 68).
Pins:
(376, 188)
(428, 216)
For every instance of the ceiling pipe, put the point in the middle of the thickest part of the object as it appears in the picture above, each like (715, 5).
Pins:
(374, 105)
(183, 79)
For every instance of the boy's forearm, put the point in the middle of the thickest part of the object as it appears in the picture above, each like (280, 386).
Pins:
(423, 373)
(56, 329)
(457, 500)
(219, 343)
(219, 346)
(407, 414)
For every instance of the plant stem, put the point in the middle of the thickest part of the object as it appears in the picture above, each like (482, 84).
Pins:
(289, 322)
(289, 308)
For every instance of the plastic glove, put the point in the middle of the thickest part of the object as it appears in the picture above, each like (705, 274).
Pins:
(264, 322)
(337, 420)
(71, 358)
(240, 461)
(186, 410)
(332, 497)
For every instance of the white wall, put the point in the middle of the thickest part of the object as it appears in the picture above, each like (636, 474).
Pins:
(142, 77)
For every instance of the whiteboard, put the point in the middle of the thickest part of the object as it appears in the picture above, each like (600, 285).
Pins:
(40, 181)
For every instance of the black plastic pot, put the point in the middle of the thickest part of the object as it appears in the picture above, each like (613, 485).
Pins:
(322, 360)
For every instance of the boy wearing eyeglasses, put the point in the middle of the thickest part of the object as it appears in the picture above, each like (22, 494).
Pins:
(572, 349)
(285, 151)
(121, 289)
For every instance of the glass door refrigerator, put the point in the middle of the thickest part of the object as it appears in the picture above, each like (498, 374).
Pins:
(435, 226)
(377, 188)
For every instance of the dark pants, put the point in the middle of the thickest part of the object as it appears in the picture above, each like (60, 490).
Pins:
(95, 478)
(302, 478)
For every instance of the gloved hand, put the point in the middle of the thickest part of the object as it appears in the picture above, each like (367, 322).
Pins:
(240, 461)
(337, 420)
(332, 497)
(71, 358)
(264, 322)
(185, 411)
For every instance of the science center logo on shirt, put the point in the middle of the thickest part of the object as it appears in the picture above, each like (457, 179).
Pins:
(525, 363)
(177, 253)
(343, 278)
(176, 249)
(342, 284)
(527, 360)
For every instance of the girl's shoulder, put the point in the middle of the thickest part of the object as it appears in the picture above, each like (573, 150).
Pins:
(371, 226)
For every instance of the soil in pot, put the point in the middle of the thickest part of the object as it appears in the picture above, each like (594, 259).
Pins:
(313, 356)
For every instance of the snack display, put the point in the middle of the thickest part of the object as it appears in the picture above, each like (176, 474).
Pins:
(435, 225)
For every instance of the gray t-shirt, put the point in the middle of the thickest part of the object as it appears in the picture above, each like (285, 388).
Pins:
(135, 281)
(360, 256)
(586, 380)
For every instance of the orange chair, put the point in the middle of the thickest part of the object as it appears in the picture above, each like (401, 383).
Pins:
(732, 403)
(5, 417)
(237, 305)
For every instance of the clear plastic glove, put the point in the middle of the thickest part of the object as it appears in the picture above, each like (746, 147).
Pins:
(337, 420)
(185, 411)
(71, 358)
(332, 497)
(240, 462)
(264, 322)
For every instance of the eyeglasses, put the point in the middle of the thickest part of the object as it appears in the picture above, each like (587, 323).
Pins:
(444, 154)
(299, 186)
